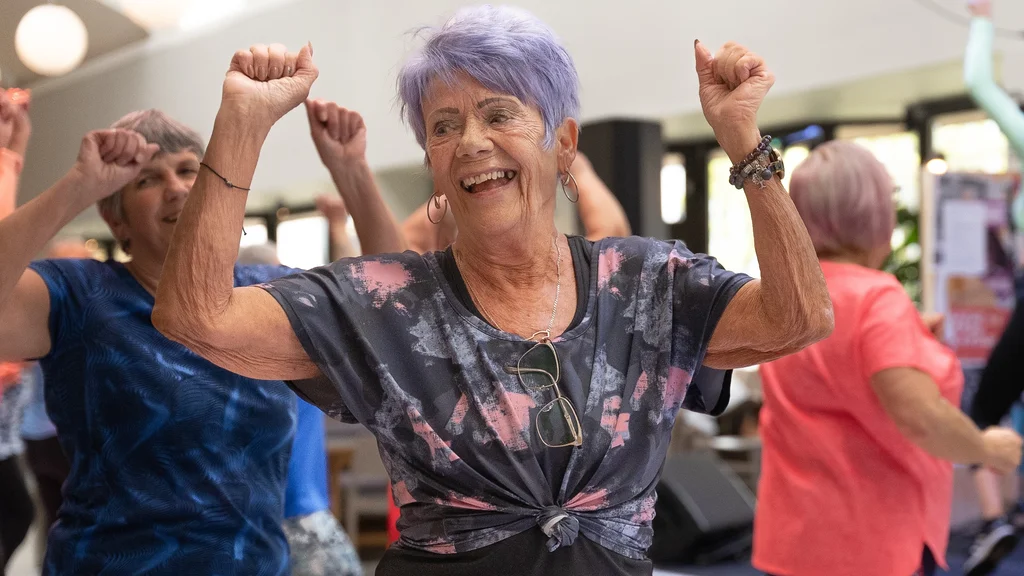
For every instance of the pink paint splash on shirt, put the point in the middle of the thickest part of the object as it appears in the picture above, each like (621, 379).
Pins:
(459, 501)
(427, 433)
(610, 412)
(585, 501)
(461, 408)
(675, 387)
(621, 432)
(380, 279)
(401, 494)
(675, 260)
(646, 513)
(608, 265)
(509, 417)
(439, 546)
(638, 391)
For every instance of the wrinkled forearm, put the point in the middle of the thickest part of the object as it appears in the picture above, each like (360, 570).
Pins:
(793, 296)
(376, 226)
(198, 274)
(789, 308)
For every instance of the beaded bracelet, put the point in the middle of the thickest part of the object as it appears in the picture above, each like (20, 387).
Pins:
(760, 166)
(737, 169)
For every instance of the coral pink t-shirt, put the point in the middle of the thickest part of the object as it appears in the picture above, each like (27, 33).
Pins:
(842, 491)
(10, 168)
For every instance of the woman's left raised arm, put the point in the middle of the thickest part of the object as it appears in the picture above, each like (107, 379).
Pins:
(789, 307)
(243, 330)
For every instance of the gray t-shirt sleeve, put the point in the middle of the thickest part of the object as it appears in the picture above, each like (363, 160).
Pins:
(339, 313)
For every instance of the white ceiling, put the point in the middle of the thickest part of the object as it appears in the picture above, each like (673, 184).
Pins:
(108, 27)
(878, 98)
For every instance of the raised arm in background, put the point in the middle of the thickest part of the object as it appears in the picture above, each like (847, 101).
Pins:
(107, 161)
(600, 212)
(340, 138)
(15, 130)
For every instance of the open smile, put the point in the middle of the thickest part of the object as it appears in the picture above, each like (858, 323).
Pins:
(488, 180)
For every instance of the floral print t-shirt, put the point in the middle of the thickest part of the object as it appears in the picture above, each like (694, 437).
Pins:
(400, 354)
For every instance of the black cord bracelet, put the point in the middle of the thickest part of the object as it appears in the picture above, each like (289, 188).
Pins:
(226, 181)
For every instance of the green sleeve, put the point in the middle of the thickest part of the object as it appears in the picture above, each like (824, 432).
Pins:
(988, 95)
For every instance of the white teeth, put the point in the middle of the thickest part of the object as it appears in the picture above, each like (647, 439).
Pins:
(489, 176)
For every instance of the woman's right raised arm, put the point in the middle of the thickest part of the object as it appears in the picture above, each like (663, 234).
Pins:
(107, 161)
(243, 330)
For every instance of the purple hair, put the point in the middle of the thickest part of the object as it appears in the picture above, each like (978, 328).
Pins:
(845, 197)
(505, 49)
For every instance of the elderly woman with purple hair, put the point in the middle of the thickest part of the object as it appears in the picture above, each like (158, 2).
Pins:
(861, 428)
(522, 384)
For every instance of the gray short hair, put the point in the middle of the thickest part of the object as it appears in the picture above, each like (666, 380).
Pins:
(845, 197)
(160, 129)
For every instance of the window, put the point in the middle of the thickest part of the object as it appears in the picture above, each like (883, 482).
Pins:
(673, 188)
(303, 241)
(898, 150)
(792, 157)
(971, 142)
(730, 230)
(730, 236)
(255, 232)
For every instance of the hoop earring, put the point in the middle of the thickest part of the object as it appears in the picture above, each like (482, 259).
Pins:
(565, 182)
(437, 204)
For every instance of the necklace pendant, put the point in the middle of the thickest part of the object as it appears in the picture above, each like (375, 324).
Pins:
(544, 336)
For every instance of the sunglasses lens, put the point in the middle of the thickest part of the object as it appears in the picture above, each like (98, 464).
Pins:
(540, 357)
(557, 424)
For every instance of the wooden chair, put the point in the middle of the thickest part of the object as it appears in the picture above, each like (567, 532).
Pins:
(359, 488)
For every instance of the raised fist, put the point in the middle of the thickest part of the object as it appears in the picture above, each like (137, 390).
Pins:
(265, 82)
(13, 122)
(733, 84)
(982, 8)
(110, 159)
(332, 207)
(21, 128)
(339, 134)
(1002, 449)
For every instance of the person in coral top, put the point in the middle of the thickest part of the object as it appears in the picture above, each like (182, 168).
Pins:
(16, 510)
(15, 129)
(861, 428)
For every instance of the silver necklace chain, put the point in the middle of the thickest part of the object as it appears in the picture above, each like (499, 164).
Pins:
(558, 286)
(554, 307)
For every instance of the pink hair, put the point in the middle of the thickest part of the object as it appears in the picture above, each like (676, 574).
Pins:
(845, 197)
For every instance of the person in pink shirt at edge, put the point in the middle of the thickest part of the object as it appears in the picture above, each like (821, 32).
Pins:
(861, 429)
(15, 130)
